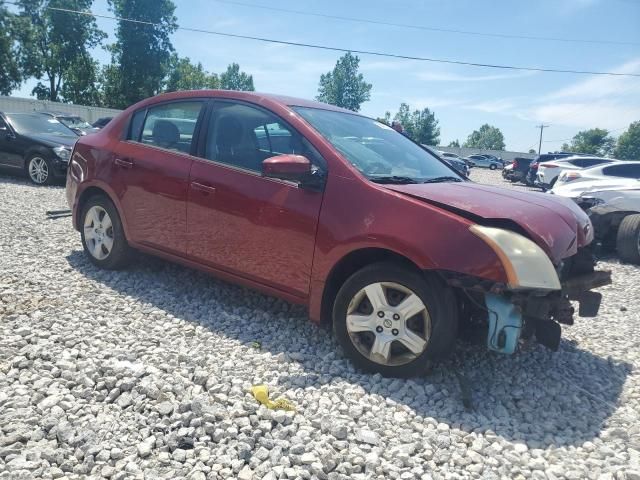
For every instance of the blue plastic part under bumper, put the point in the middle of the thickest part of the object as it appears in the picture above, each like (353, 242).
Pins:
(505, 324)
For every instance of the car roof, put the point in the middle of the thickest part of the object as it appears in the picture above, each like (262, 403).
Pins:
(58, 114)
(255, 97)
(584, 157)
(619, 162)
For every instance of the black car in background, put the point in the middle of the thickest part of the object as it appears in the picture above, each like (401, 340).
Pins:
(101, 122)
(35, 144)
(74, 122)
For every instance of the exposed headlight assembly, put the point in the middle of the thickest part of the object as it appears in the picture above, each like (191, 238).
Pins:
(64, 153)
(526, 264)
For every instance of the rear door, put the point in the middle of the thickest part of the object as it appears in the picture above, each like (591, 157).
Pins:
(624, 171)
(259, 228)
(151, 173)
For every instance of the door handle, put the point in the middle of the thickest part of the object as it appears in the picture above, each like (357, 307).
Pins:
(123, 162)
(205, 189)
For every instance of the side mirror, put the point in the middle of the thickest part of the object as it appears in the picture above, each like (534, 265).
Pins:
(295, 168)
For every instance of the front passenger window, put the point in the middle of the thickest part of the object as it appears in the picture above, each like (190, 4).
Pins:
(243, 136)
(171, 126)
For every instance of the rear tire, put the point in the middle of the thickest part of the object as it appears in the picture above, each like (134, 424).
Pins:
(492, 166)
(628, 239)
(410, 322)
(102, 234)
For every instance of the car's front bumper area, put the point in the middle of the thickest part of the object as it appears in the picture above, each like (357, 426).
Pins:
(508, 316)
(59, 167)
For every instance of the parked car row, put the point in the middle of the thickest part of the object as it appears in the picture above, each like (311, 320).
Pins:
(610, 194)
(606, 188)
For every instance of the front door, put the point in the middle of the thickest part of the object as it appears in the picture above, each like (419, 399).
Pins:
(11, 147)
(240, 222)
(151, 174)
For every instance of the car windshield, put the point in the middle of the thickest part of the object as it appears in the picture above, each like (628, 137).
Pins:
(25, 123)
(74, 122)
(376, 150)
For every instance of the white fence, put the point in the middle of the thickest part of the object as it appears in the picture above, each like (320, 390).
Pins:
(24, 105)
(505, 155)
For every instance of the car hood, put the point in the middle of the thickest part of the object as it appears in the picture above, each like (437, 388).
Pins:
(557, 225)
(53, 140)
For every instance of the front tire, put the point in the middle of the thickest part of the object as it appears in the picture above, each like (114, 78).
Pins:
(102, 234)
(628, 240)
(39, 169)
(392, 320)
(492, 166)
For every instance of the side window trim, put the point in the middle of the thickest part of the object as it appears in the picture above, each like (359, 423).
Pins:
(318, 160)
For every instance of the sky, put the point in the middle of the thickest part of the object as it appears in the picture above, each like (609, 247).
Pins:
(462, 97)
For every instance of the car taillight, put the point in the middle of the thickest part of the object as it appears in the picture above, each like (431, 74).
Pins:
(515, 164)
(569, 176)
(550, 165)
(534, 165)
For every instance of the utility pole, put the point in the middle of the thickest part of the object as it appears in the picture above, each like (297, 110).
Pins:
(541, 127)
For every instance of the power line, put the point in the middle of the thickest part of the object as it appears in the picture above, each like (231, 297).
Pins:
(345, 50)
(424, 27)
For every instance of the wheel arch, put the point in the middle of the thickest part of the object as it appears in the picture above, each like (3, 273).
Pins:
(89, 192)
(351, 263)
(36, 150)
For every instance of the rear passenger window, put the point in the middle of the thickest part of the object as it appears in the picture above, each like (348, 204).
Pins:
(626, 171)
(172, 125)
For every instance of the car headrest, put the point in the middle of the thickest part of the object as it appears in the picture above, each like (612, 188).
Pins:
(229, 132)
(165, 133)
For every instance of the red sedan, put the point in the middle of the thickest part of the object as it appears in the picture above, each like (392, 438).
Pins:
(327, 208)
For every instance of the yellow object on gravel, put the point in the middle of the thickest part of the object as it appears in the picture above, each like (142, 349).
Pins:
(261, 394)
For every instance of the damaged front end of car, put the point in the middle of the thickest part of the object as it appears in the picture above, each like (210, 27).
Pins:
(535, 300)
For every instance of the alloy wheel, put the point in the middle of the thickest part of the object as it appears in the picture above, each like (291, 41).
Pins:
(98, 232)
(38, 170)
(388, 323)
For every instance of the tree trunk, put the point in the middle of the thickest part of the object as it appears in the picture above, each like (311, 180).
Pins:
(53, 92)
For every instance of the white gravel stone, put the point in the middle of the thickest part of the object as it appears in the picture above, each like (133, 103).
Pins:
(145, 373)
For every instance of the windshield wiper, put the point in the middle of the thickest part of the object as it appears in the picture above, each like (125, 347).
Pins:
(394, 179)
(442, 179)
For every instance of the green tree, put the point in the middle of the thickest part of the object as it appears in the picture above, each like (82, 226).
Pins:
(386, 119)
(81, 84)
(53, 42)
(184, 75)
(628, 147)
(565, 147)
(486, 138)
(141, 55)
(234, 79)
(424, 127)
(455, 143)
(595, 141)
(404, 117)
(420, 125)
(10, 71)
(344, 86)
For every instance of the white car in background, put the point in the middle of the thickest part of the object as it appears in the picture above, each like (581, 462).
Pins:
(613, 204)
(550, 171)
(608, 171)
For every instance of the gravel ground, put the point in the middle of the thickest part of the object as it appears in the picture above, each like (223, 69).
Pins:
(145, 374)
